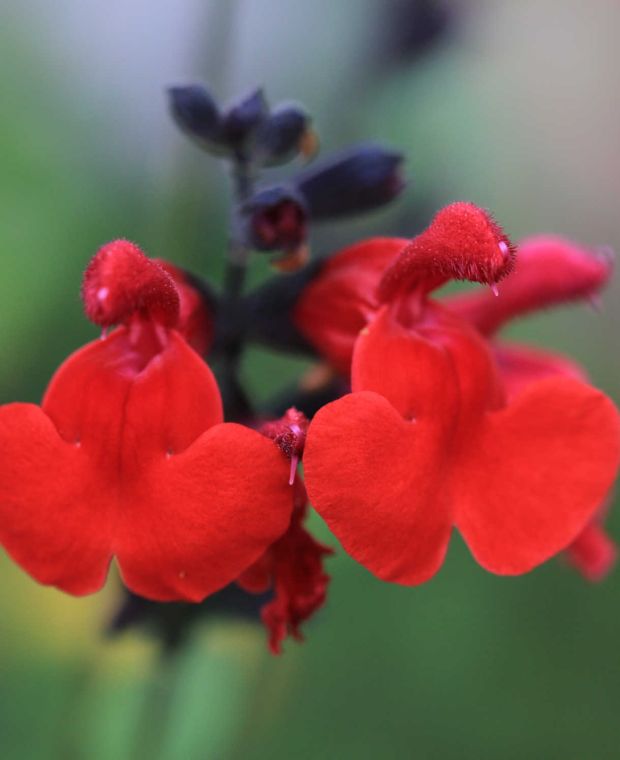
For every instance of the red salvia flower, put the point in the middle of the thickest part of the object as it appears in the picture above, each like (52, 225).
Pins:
(128, 456)
(428, 439)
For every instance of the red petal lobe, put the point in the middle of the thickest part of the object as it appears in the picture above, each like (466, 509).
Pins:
(537, 474)
(377, 482)
(197, 520)
(55, 516)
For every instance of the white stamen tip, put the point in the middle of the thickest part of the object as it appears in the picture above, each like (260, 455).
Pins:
(494, 289)
(102, 294)
(503, 247)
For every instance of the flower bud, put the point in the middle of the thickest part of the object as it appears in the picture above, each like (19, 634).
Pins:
(276, 219)
(243, 117)
(195, 111)
(361, 179)
(283, 135)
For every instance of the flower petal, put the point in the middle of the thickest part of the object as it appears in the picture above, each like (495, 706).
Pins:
(521, 366)
(122, 402)
(538, 473)
(376, 480)
(339, 301)
(416, 375)
(197, 520)
(55, 516)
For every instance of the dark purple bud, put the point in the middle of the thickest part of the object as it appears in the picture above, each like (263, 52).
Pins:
(196, 112)
(276, 219)
(244, 116)
(360, 179)
(281, 136)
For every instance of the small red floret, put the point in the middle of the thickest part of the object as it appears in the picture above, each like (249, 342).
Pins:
(120, 281)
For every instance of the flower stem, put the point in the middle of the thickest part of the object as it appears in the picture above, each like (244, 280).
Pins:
(236, 403)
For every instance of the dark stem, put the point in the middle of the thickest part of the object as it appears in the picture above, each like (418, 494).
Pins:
(236, 403)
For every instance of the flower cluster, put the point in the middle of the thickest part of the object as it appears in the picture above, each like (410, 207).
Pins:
(425, 420)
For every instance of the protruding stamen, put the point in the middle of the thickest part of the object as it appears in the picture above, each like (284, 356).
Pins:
(293, 472)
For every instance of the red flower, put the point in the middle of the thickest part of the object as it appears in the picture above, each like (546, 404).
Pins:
(428, 440)
(293, 567)
(128, 456)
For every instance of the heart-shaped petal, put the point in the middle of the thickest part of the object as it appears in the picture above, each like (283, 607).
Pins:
(538, 472)
(376, 479)
(197, 520)
(55, 513)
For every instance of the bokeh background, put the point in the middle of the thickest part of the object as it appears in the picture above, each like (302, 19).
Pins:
(511, 105)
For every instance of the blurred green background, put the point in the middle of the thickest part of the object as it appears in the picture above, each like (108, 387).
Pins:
(515, 106)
